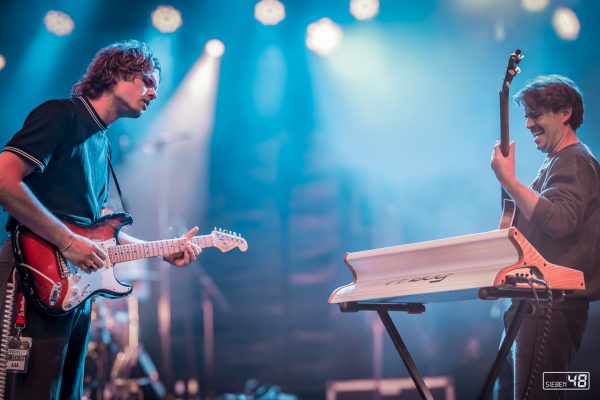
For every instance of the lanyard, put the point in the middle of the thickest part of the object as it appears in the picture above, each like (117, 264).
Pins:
(21, 313)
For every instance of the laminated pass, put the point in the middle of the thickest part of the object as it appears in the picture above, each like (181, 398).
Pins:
(19, 350)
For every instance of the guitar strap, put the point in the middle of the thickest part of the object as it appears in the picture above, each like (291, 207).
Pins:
(116, 181)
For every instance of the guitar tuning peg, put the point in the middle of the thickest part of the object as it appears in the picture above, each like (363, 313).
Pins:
(215, 228)
(234, 234)
(517, 70)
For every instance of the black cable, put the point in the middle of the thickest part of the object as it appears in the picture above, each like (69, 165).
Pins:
(533, 371)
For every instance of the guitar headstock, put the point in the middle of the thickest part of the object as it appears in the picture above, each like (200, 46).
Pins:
(227, 240)
(512, 68)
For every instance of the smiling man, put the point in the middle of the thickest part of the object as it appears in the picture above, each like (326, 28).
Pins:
(56, 166)
(559, 213)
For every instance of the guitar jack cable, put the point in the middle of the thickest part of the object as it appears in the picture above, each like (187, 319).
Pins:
(535, 366)
(545, 335)
(56, 286)
(7, 319)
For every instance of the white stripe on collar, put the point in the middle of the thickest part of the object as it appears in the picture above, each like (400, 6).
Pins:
(92, 113)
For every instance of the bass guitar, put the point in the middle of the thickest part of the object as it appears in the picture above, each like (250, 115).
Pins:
(57, 287)
(512, 69)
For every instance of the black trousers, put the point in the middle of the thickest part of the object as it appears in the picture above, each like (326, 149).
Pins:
(58, 349)
(567, 326)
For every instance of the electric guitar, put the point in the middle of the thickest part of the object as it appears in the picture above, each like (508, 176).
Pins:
(57, 287)
(512, 69)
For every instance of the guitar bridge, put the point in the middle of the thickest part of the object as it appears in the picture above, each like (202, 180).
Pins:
(63, 266)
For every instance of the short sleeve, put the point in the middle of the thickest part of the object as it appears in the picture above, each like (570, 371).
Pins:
(43, 129)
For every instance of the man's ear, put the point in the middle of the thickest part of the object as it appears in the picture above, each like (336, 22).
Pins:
(566, 113)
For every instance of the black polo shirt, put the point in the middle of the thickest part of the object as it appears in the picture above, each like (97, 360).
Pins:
(66, 141)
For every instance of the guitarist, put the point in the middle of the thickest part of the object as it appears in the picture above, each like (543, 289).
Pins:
(559, 213)
(57, 165)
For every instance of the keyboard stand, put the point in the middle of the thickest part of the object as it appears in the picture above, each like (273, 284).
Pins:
(383, 309)
(525, 305)
(511, 334)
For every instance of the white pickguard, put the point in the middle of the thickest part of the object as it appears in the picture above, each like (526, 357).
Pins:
(81, 285)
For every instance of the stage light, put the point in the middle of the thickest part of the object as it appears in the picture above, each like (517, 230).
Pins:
(323, 36)
(269, 12)
(214, 48)
(179, 387)
(166, 19)
(2, 62)
(499, 31)
(566, 24)
(534, 5)
(58, 23)
(364, 9)
(193, 387)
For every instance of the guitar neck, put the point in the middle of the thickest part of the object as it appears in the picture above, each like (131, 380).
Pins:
(504, 128)
(159, 248)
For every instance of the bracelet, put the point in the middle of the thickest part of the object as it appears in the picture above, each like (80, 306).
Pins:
(70, 243)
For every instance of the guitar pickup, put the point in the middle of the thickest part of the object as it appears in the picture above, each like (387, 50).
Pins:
(55, 293)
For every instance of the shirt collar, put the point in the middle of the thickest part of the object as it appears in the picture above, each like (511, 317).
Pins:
(93, 113)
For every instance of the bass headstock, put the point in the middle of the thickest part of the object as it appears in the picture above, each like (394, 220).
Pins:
(226, 240)
(512, 69)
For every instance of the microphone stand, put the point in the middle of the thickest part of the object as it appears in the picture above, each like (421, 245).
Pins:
(158, 146)
(210, 294)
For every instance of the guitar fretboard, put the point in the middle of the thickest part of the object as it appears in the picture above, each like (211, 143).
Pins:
(136, 251)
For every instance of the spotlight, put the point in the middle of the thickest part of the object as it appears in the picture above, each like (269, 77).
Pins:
(193, 386)
(166, 19)
(214, 48)
(534, 5)
(2, 62)
(179, 387)
(566, 24)
(499, 31)
(364, 9)
(269, 12)
(58, 23)
(323, 36)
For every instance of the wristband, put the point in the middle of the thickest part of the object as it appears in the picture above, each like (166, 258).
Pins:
(70, 243)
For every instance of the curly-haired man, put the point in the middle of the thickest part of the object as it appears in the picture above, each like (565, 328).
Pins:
(559, 213)
(57, 166)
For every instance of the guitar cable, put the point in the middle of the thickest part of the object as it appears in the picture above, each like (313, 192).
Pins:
(534, 367)
(56, 286)
(9, 302)
(46, 277)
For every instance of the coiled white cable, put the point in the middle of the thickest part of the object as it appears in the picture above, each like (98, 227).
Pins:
(7, 318)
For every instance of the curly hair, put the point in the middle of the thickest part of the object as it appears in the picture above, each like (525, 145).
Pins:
(119, 61)
(553, 92)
